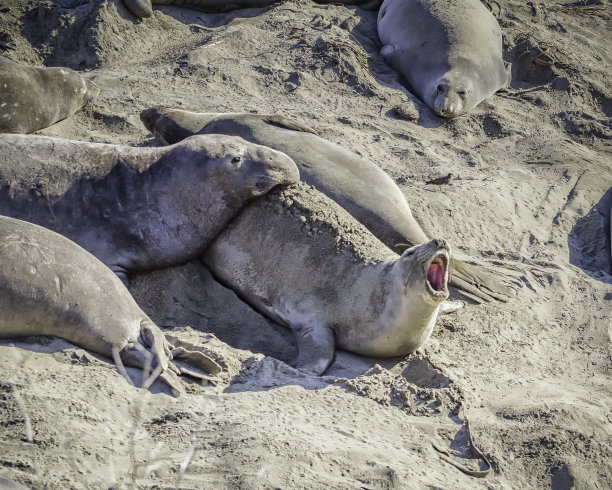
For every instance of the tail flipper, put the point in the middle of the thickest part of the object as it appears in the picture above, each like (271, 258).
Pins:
(155, 356)
(480, 283)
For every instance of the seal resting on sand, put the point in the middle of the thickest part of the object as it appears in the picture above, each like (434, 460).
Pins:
(357, 184)
(51, 286)
(136, 209)
(300, 259)
(33, 98)
(450, 52)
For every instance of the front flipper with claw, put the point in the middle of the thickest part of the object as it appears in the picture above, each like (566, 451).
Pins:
(315, 348)
(155, 355)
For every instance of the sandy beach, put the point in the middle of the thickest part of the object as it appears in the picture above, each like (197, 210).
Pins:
(530, 196)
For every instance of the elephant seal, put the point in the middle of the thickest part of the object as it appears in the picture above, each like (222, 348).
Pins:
(449, 52)
(51, 286)
(144, 8)
(33, 98)
(300, 259)
(356, 184)
(136, 209)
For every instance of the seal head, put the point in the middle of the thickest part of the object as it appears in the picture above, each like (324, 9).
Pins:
(419, 284)
(137, 209)
(452, 95)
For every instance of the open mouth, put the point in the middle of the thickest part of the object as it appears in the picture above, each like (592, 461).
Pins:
(436, 273)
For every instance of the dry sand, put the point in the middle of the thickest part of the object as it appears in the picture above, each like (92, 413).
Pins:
(532, 197)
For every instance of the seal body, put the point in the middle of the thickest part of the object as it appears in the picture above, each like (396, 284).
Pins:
(33, 98)
(51, 286)
(358, 185)
(136, 208)
(449, 52)
(302, 260)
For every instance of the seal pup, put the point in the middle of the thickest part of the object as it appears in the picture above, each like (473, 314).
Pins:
(449, 52)
(136, 209)
(33, 98)
(299, 258)
(51, 286)
(357, 184)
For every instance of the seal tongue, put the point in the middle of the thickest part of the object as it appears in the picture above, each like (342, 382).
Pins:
(435, 275)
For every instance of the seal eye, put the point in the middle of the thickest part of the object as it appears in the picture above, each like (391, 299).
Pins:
(462, 93)
(440, 88)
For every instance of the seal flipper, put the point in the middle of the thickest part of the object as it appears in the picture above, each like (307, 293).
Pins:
(316, 345)
(481, 282)
(152, 350)
(140, 8)
(508, 67)
(388, 53)
(197, 359)
(286, 123)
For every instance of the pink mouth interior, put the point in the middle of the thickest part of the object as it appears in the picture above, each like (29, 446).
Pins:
(435, 275)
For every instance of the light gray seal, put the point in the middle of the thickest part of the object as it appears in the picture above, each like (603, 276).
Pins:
(299, 258)
(449, 51)
(357, 184)
(136, 209)
(144, 8)
(51, 286)
(33, 98)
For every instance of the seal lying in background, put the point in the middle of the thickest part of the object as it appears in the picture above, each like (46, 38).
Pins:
(51, 286)
(33, 98)
(300, 259)
(449, 51)
(136, 209)
(358, 185)
(144, 8)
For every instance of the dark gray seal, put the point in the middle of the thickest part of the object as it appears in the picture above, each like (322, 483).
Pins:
(300, 259)
(136, 209)
(449, 51)
(357, 184)
(33, 98)
(51, 286)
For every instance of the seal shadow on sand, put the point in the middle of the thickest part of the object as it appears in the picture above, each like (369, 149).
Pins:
(589, 241)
